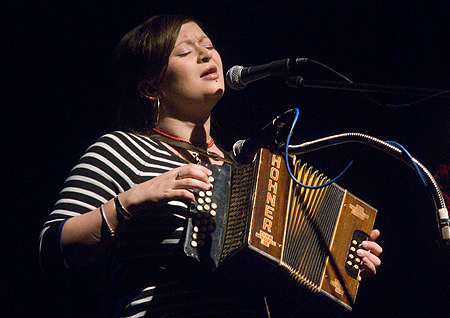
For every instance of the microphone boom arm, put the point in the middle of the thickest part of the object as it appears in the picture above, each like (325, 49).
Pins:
(300, 82)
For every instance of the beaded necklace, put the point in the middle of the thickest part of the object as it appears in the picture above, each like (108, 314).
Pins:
(190, 147)
(206, 145)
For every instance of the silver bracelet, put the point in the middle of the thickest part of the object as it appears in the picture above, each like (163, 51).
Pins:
(110, 230)
(121, 210)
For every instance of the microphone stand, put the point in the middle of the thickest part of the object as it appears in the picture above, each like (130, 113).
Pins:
(300, 82)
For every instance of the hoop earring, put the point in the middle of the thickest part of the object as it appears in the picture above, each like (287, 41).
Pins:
(157, 106)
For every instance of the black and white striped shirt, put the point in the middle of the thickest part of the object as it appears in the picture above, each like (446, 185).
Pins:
(151, 274)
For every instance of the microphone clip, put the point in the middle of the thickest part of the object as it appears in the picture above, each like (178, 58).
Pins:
(272, 137)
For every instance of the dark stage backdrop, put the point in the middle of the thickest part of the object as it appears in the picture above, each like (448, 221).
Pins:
(58, 98)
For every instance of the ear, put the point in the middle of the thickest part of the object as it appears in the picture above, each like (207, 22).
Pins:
(148, 90)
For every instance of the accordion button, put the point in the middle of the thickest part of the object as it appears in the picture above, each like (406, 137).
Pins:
(349, 263)
(211, 179)
(200, 200)
(214, 206)
(212, 212)
(195, 229)
(199, 207)
(201, 243)
(195, 236)
(209, 193)
(206, 207)
(356, 267)
(194, 243)
(201, 193)
(208, 200)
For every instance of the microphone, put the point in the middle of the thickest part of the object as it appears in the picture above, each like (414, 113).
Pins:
(244, 150)
(238, 77)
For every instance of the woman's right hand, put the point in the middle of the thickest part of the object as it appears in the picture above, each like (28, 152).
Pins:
(176, 184)
(82, 234)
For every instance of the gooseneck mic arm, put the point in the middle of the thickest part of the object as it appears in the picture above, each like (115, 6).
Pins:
(389, 148)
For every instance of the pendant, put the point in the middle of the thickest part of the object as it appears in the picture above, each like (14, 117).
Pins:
(196, 157)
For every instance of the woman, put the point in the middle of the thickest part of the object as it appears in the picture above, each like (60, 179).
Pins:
(126, 199)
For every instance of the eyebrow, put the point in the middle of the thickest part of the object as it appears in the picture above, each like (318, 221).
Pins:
(189, 40)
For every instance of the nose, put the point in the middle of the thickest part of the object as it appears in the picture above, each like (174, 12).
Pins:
(205, 54)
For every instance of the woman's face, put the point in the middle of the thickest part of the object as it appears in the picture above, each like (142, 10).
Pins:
(194, 79)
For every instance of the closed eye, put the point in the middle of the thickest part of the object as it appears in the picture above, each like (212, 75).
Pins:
(184, 54)
(189, 49)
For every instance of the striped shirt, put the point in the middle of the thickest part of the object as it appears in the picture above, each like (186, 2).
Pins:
(151, 274)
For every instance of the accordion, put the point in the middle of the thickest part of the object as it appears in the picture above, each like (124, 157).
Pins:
(309, 235)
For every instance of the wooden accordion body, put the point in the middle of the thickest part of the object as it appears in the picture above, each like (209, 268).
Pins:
(310, 235)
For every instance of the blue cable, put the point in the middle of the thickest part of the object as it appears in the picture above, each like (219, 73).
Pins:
(288, 139)
(422, 177)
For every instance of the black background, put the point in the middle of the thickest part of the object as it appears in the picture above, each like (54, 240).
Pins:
(57, 99)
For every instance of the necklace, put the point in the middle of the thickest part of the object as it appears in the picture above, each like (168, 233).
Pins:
(192, 148)
(206, 145)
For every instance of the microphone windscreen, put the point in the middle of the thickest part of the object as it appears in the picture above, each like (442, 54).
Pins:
(233, 78)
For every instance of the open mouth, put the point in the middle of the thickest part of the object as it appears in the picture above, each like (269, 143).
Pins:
(209, 70)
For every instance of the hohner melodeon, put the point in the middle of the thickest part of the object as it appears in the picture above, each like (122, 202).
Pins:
(311, 235)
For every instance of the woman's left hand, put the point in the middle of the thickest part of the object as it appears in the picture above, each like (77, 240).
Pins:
(370, 255)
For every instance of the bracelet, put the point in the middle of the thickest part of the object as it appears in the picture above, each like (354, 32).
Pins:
(110, 230)
(121, 210)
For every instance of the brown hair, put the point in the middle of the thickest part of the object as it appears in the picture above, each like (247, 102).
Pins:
(143, 54)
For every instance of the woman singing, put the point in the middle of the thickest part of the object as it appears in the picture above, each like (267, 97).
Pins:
(124, 205)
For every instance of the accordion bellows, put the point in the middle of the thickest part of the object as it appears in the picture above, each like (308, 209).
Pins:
(311, 234)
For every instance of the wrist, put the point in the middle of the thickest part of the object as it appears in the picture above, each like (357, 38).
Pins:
(122, 212)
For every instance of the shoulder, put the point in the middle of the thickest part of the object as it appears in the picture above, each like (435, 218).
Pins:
(137, 149)
(126, 139)
(122, 142)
